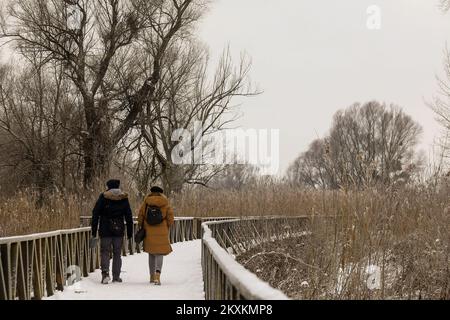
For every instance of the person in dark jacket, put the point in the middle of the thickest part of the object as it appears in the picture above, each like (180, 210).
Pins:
(111, 210)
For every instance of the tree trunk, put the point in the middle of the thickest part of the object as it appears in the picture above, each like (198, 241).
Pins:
(96, 160)
(173, 179)
(97, 147)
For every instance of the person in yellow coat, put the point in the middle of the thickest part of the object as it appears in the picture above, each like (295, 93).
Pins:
(156, 217)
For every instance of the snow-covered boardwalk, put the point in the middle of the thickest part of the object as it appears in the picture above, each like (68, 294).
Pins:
(181, 279)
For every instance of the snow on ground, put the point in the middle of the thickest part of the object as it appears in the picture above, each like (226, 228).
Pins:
(181, 279)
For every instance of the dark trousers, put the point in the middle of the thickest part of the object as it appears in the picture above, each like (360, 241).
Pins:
(106, 245)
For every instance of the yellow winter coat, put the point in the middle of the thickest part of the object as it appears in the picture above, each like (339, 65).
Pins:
(157, 237)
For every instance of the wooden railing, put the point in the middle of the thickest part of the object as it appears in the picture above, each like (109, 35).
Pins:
(224, 278)
(34, 266)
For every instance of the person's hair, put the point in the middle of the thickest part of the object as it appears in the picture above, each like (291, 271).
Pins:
(156, 189)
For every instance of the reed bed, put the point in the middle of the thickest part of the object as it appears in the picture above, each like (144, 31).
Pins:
(391, 244)
(24, 214)
(371, 244)
(21, 215)
(263, 200)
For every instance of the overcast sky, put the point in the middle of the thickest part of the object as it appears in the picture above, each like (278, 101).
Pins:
(313, 57)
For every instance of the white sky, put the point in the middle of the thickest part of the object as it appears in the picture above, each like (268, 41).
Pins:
(313, 57)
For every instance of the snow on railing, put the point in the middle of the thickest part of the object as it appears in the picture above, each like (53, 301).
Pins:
(226, 279)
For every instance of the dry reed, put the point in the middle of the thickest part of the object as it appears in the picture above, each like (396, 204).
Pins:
(392, 244)
(404, 232)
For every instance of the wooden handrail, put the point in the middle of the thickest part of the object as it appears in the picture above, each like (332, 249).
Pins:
(34, 266)
(224, 278)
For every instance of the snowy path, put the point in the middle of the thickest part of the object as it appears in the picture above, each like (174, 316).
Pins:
(181, 279)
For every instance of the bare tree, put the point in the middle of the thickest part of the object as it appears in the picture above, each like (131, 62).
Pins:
(107, 35)
(367, 144)
(236, 177)
(441, 103)
(186, 96)
(311, 169)
(38, 128)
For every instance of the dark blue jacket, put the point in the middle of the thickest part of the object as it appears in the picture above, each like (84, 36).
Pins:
(111, 211)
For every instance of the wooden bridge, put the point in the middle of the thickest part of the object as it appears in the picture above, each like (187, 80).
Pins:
(36, 266)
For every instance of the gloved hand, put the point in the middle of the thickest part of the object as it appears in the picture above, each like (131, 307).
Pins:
(93, 243)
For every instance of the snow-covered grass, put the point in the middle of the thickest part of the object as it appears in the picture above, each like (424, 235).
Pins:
(181, 279)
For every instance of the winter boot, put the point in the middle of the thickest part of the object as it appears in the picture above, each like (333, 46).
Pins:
(105, 278)
(152, 278)
(157, 280)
